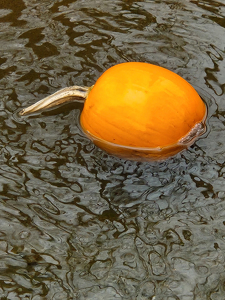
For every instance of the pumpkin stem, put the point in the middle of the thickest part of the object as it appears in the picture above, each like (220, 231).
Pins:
(68, 94)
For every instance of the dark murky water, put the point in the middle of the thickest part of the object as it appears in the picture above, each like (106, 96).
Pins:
(76, 223)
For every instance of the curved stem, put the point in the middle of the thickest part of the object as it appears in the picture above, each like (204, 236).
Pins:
(68, 94)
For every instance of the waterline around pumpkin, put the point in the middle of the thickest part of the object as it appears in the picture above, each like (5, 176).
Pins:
(145, 153)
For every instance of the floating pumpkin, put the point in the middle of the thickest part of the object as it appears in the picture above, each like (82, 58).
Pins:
(137, 110)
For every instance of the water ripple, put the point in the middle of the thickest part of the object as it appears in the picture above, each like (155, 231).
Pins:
(77, 223)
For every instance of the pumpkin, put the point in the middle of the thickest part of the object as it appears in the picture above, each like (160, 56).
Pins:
(138, 111)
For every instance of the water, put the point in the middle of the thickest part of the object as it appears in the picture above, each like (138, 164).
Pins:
(76, 223)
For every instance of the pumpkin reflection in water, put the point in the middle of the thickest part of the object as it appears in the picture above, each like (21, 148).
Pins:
(137, 111)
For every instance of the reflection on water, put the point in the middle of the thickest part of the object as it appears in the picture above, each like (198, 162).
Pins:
(77, 223)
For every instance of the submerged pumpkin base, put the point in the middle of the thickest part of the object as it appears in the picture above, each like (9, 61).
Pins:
(148, 154)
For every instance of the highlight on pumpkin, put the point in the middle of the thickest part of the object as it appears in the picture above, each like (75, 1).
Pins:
(137, 111)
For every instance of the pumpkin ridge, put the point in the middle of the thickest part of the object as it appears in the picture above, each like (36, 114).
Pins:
(140, 134)
(151, 126)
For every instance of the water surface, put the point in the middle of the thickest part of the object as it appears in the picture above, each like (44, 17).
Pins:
(76, 223)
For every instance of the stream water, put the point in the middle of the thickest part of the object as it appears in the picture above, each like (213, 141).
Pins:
(75, 222)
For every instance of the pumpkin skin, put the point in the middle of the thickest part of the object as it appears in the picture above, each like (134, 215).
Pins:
(137, 111)
(142, 111)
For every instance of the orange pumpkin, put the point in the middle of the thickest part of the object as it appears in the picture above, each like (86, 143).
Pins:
(142, 111)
